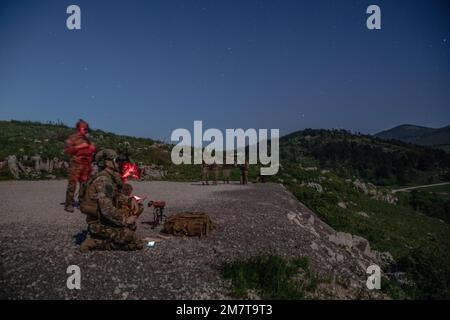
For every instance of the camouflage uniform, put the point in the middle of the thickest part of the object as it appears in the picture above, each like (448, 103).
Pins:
(244, 172)
(107, 225)
(124, 204)
(210, 168)
(215, 170)
(80, 164)
(205, 172)
(226, 171)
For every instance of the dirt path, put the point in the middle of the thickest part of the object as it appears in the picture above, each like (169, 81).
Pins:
(37, 243)
(418, 187)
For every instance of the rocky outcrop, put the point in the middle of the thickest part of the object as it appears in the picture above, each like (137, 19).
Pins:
(13, 166)
(152, 172)
(361, 246)
(371, 190)
(344, 255)
(33, 167)
(38, 167)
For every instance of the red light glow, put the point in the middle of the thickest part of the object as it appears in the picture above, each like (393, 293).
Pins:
(130, 170)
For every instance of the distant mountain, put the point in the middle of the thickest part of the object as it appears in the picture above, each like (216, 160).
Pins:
(439, 138)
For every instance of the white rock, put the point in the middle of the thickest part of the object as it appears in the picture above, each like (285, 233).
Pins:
(342, 239)
(291, 215)
(342, 205)
(362, 213)
(315, 186)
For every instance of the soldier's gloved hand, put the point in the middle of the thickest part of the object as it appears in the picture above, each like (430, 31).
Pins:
(134, 206)
(130, 220)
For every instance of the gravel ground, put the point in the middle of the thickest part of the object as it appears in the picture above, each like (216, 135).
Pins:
(38, 242)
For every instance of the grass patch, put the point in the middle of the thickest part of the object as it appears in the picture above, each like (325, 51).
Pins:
(271, 277)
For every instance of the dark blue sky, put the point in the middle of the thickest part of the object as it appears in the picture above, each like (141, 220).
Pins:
(145, 68)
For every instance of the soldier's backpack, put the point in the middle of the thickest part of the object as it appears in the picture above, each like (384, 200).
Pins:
(89, 205)
(189, 224)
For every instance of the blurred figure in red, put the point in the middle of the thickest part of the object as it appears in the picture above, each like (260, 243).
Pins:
(80, 148)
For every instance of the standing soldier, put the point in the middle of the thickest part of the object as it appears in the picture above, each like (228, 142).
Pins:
(226, 170)
(109, 227)
(205, 172)
(80, 148)
(244, 172)
(214, 168)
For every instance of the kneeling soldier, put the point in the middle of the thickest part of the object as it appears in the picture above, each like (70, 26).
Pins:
(108, 227)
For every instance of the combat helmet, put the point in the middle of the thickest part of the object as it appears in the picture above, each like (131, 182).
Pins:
(103, 155)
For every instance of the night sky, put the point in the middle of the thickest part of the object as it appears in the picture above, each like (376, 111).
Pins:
(145, 68)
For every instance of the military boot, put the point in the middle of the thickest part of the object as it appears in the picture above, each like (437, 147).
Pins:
(69, 208)
(88, 245)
